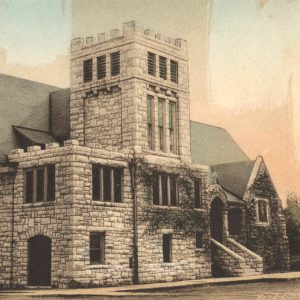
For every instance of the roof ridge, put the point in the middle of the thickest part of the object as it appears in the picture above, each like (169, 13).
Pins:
(235, 162)
(29, 80)
(33, 129)
(208, 125)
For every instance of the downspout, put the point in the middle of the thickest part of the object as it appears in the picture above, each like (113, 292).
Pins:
(132, 167)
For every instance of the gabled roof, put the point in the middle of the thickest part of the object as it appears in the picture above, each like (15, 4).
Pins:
(25, 103)
(234, 177)
(211, 145)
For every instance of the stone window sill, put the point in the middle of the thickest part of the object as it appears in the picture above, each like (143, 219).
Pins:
(199, 250)
(165, 206)
(199, 209)
(37, 204)
(169, 264)
(107, 204)
(262, 224)
(98, 266)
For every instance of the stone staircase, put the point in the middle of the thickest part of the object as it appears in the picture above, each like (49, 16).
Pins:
(234, 259)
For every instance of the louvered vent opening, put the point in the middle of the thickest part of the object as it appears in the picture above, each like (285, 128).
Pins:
(88, 70)
(101, 67)
(115, 63)
(151, 63)
(174, 71)
(163, 67)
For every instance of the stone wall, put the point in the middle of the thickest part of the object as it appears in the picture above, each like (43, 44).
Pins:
(6, 200)
(267, 240)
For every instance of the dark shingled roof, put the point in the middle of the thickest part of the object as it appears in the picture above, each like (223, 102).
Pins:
(212, 145)
(234, 177)
(22, 102)
(35, 136)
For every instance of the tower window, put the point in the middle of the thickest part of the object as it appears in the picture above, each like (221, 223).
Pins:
(151, 63)
(101, 66)
(167, 247)
(163, 67)
(199, 240)
(149, 121)
(172, 126)
(87, 70)
(115, 63)
(161, 123)
(174, 71)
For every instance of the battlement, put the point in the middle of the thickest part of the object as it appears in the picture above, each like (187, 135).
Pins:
(129, 29)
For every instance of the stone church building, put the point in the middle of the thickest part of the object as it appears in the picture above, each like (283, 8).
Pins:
(110, 182)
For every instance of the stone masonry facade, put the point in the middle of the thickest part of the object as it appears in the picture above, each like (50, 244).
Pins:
(109, 128)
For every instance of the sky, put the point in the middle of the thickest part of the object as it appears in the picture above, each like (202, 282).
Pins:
(254, 49)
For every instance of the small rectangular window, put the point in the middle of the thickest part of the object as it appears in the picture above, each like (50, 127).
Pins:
(97, 247)
(51, 182)
(115, 63)
(29, 186)
(87, 70)
(199, 240)
(101, 66)
(167, 248)
(174, 71)
(197, 196)
(151, 63)
(40, 185)
(262, 211)
(162, 67)
(173, 190)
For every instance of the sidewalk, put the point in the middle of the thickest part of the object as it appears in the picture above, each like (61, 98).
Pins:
(146, 289)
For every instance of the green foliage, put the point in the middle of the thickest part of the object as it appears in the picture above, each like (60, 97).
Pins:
(292, 217)
(183, 218)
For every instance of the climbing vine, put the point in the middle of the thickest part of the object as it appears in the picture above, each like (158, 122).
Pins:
(183, 218)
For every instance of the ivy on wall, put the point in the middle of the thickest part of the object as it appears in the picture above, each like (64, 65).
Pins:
(183, 218)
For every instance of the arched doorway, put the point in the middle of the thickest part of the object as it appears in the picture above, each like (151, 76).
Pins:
(216, 219)
(39, 260)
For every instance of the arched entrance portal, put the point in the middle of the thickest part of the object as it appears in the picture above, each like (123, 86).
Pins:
(216, 219)
(39, 261)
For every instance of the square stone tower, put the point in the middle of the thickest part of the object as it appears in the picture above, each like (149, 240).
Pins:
(131, 91)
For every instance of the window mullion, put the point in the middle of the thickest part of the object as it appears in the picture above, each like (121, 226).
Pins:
(169, 190)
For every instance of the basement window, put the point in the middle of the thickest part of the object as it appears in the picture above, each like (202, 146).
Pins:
(167, 247)
(115, 63)
(39, 184)
(199, 240)
(107, 183)
(87, 70)
(97, 248)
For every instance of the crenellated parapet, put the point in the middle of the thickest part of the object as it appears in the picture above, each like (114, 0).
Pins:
(129, 29)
